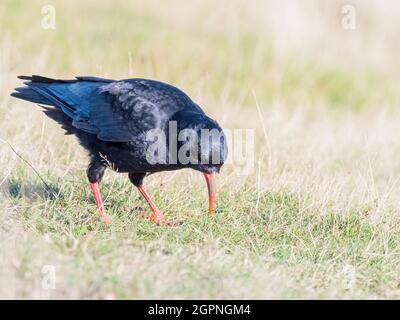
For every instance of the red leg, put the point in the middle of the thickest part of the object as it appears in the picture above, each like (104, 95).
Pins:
(210, 178)
(157, 216)
(99, 202)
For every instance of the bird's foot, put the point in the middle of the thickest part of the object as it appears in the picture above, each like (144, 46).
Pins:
(161, 221)
(106, 219)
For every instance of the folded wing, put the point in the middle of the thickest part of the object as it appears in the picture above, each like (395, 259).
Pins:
(112, 110)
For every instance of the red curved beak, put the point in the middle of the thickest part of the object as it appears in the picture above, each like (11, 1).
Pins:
(210, 179)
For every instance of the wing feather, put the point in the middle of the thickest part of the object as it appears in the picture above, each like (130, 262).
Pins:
(113, 110)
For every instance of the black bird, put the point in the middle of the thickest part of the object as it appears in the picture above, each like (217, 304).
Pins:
(112, 120)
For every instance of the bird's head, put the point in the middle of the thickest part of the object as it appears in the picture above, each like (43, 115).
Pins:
(201, 145)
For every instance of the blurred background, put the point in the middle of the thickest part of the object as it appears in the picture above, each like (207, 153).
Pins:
(297, 53)
(318, 81)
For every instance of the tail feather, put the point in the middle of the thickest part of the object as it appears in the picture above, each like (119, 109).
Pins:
(43, 90)
(28, 94)
(38, 92)
(70, 99)
(61, 118)
(36, 78)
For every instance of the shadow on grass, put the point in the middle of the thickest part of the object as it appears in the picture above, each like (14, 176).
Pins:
(18, 190)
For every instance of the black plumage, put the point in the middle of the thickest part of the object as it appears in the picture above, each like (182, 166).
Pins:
(111, 120)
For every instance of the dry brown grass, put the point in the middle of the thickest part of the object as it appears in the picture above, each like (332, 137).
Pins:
(317, 218)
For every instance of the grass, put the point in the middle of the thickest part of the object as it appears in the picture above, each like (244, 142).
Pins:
(316, 218)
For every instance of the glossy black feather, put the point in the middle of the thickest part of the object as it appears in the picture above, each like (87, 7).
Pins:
(111, 118)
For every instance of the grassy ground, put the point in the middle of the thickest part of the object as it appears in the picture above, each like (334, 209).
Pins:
(318, 217)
